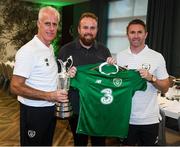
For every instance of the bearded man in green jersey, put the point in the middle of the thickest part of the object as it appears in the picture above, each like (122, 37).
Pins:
(84, 50)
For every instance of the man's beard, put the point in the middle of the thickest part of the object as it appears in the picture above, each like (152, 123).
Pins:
(85, 41)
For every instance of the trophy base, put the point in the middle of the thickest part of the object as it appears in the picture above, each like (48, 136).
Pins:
(63, 115)
(63, 110)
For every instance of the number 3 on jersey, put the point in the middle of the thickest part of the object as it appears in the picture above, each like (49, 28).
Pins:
(107, 98)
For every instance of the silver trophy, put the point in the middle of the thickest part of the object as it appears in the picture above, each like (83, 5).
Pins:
(64, 109)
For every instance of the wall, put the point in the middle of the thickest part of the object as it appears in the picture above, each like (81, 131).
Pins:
(71, 15)
(18, 24)
(175, 63)
(18, 21)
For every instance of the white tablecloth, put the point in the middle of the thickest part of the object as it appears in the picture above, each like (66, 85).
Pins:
(170, 107)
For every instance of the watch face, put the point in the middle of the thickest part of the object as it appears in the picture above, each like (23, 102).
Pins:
(153, 78)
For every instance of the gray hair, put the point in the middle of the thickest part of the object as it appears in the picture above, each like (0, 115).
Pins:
(43, 9)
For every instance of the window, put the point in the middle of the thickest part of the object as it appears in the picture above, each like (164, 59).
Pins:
(120, 13)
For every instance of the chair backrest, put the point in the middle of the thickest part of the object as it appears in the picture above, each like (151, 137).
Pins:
(172, 80)
(179, 123)
(162, 134)
(4, 70)
(9, 71)
(1, 69)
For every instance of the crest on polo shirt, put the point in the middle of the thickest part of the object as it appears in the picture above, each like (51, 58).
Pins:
(31, 133)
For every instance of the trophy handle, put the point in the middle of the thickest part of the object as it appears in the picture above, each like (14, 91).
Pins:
(63, 68)
(69, 61)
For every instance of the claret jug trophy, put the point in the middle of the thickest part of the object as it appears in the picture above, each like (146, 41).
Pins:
(63, 110)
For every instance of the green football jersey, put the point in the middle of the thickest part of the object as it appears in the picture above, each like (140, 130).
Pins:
(105, 99)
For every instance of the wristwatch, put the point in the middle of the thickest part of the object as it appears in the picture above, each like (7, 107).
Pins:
(153, 79)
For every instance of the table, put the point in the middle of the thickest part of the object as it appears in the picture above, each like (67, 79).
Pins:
(170, 107)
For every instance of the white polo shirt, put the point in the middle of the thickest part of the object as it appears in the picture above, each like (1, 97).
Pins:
(145, 108)
(36, 62)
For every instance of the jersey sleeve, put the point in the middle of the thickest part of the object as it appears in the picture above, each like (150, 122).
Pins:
(138, 82)
(78, 80)
(75, 83)
(82, 72)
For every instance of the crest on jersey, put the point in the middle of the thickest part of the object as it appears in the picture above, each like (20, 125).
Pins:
(117, 82)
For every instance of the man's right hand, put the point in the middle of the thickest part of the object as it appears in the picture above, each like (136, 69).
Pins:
(60, 96)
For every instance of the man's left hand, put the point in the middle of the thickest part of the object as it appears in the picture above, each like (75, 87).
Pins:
(111, 60)
(72, 71)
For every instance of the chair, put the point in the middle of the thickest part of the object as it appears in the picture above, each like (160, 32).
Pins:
(171, 84)
(162, 135)
(173, 132)
(9, 71)
(2, 78)
(5, 75)
(179, 123)
(172, 80)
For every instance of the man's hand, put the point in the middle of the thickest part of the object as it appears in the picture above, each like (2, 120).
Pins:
(59, 96)
(111, 60)
(72, 71)
(145, 74)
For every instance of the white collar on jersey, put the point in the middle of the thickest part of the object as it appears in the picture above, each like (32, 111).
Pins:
(105, 63)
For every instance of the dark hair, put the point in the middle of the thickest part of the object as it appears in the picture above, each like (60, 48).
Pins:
(136, 21)
(88, 14)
